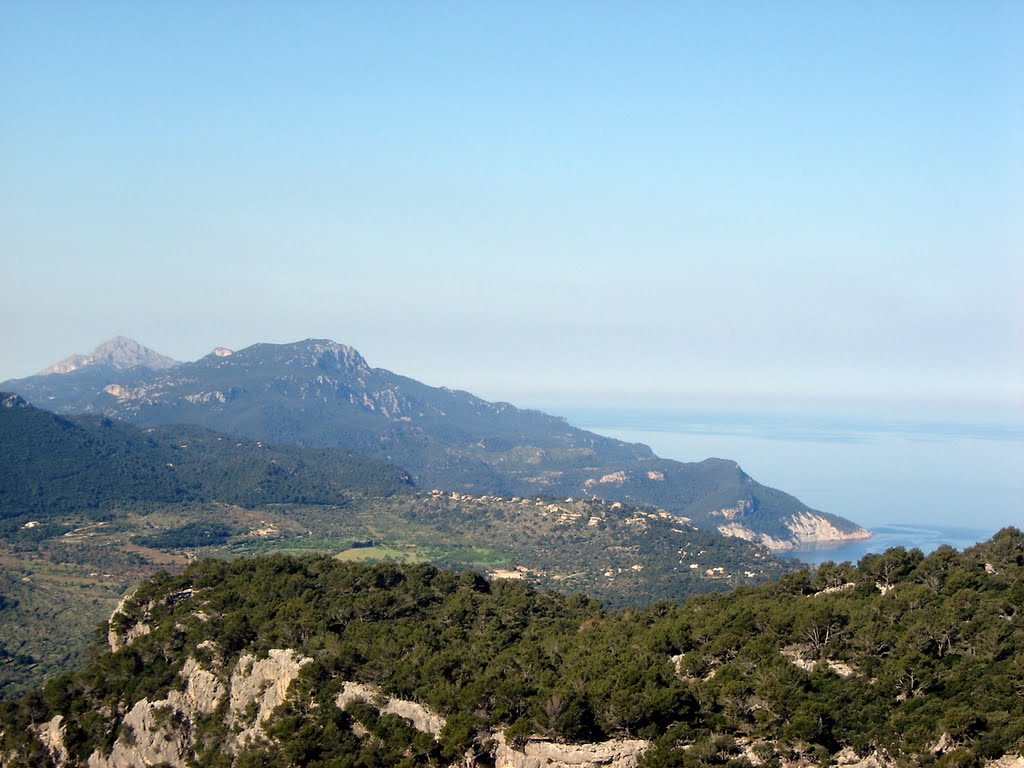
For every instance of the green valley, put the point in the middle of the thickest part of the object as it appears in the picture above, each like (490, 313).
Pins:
(93, 506)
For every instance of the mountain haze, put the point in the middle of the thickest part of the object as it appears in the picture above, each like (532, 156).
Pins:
(321, 393)
(119, 353)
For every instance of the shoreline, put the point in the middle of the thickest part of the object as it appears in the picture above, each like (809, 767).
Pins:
(927, 538)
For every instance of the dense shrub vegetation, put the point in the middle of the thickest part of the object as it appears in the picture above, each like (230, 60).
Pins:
(919, 658)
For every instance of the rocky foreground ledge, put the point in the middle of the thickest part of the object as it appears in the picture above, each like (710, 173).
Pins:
(163, 732)
(901, 661)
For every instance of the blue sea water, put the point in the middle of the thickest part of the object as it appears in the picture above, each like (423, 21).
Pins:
(913, 481)
(927, 538)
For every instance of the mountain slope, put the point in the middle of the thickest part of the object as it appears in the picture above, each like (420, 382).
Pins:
(62, 471)
(119, 353)
(318, 392)
(53, 465)
(903, 660)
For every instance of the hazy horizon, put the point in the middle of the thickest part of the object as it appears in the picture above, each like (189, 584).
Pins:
(956, 409)
(877, 471)
(569, 202)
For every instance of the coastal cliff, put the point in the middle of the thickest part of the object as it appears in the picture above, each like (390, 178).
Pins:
(804, 528)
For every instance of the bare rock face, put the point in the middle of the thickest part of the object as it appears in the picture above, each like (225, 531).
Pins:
(7, 400)
(262, 683)
(422, 719)
(807, 528)
(618, 753)
(150, 735)
(122, 629)
(51, 734)
(804, 528)
(1006, 761)
(203, 690)
(119, 353)
(160, 732)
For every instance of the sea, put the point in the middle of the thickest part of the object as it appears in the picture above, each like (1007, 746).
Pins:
(912, 480)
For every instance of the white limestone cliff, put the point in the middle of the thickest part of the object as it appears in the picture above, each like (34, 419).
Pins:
(538, 753)
(160, 732)
(422, 718)
(262, 682)
(804, 528)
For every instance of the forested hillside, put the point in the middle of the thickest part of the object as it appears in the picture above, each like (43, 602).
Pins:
(912, 660)
(317, 392)
(56, 464)
(91, 506)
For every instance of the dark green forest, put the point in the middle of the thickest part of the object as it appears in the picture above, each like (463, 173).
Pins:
(919, 659)
(55, 465)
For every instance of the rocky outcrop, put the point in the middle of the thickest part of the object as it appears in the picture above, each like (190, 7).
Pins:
(800, 658)
(262, 684)
(422, 719)
(848, 758)
(7, 400)
(51, 734)
(809, 528)
(160, 732)
(804, 528)
(537, 753)
(203, 690)
(122, 627)
(152, 733)
(131, 619)
(1006, 761)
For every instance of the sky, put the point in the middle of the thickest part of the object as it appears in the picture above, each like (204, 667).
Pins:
(587, 202)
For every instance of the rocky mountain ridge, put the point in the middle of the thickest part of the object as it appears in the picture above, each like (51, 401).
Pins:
(320, 392)
(119, 353)
(161, 731)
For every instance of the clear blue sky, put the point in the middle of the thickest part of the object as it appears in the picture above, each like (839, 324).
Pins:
(622, 202)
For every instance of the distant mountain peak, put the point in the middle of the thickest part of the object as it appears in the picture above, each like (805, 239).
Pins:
(119, 353)
(317, 392)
